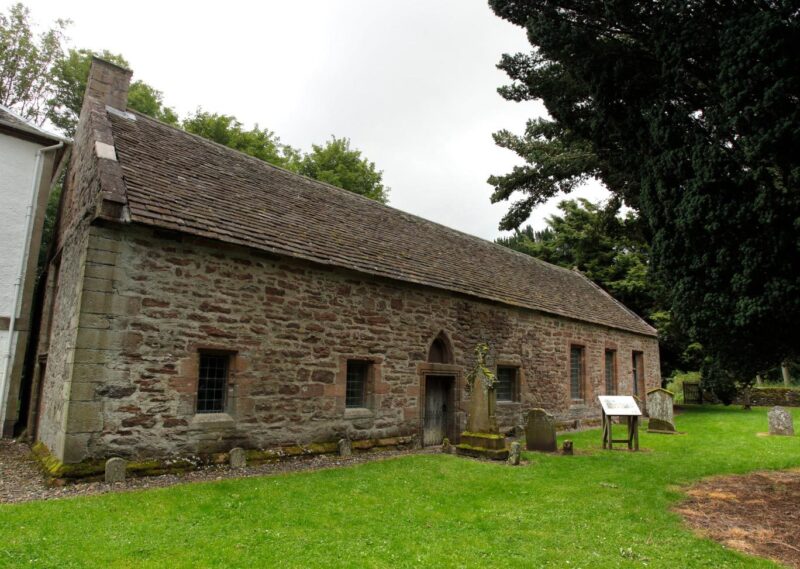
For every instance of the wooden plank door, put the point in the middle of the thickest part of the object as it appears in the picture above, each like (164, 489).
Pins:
(436, 410)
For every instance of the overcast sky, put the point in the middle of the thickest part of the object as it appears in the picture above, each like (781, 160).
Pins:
(412, 83)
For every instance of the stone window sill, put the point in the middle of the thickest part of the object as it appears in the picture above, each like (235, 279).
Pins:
(357, 413)
(213, 419)
(507, 402)
(578, 404)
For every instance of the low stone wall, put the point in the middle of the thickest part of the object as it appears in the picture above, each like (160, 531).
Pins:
(771, 396)
(763, 397)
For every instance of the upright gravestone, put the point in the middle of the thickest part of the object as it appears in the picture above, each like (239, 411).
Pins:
(780, 422)
(345, 447)
(237, 458)
(514, 455)
(115, 470)
(482, 437)
(660, 403)
(540, 431)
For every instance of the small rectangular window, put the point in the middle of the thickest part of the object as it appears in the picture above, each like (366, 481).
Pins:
(212, 382)
(356, 390)
(611, 372)
(638, 372)
(506, 388)
(576, 372)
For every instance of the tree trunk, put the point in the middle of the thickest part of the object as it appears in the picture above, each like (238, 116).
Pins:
(759, 380)
(747, 399)
(787, 380)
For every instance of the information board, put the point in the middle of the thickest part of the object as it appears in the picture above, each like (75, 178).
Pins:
(619, 405)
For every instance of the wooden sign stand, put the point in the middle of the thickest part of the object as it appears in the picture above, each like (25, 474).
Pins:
(633, 432)
(620, 406)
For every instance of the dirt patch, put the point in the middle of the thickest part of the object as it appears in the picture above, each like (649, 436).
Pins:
(22, 481)
(757, 513)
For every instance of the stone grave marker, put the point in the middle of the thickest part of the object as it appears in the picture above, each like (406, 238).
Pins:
(540, 431)
(780, 422)
(567, 448)
(660, 408)
(115, 470)
(345, 447)
(514, 455)
(482, 438)
(237, 458)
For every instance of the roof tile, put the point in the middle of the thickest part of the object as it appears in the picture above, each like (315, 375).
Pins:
(176, 180)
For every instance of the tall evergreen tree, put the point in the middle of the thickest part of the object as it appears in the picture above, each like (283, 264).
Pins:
(688, 111)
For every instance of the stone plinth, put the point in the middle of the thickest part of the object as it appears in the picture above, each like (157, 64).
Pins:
(483, 445)
(660, 409)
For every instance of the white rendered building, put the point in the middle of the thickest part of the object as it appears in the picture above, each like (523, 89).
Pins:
(30, 160)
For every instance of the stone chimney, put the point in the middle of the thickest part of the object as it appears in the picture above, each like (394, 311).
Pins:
(108, 82)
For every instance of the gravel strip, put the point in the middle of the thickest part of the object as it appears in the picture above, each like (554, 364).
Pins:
(22, 481)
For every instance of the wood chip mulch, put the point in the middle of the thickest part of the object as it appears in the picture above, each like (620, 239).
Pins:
(22, 481)
(758, 513)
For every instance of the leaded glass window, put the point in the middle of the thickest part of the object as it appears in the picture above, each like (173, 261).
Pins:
(506, 386)
(638, 371)
(356, 390)
(576, 372)
(611, 372)
(212, 382)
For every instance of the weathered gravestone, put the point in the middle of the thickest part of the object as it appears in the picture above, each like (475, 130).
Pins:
(237, 458)
(780, 422)
(115, 470)
(567, 448)
(660, 408)
(482, 437)
(514, 455)
(540, 431)
(345, 447)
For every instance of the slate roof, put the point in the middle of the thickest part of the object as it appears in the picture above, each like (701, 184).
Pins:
(10, 120)
(179, 181)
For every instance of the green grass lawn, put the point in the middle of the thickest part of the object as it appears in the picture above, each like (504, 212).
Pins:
(597, 509)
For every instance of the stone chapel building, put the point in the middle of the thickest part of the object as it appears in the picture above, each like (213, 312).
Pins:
(199, 299)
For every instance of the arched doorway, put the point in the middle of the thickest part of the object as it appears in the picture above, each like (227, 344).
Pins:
(440, 352)
(438, 412)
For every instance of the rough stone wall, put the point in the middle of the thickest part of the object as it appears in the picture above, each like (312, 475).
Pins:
(51, 401)
(151, 301)
(54, 407)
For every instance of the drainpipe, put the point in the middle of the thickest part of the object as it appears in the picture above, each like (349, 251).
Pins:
(4, 379)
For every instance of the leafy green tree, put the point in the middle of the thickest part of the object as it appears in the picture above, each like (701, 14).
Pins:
(227, 130)
(339, 165)
(687, 111)
(70, 76)
(27, 62)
